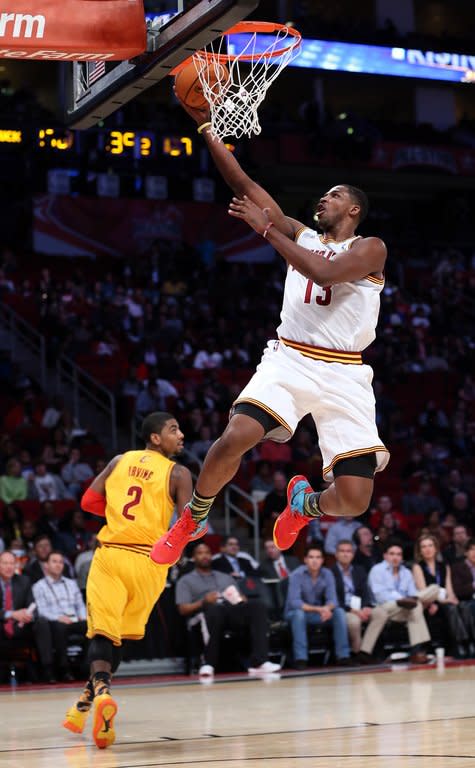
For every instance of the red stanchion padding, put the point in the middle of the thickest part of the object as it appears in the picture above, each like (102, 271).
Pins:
(72, 30)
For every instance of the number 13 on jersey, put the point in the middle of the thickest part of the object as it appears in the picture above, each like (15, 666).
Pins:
(323, 297)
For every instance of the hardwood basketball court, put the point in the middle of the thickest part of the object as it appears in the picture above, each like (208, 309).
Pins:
(387, 718)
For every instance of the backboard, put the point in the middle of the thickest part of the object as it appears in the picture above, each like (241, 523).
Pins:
(91, 91)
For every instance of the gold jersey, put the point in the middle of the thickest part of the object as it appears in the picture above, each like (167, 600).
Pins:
(138, 502)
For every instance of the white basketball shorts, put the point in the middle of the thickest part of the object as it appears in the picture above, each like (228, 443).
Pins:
(339, 397)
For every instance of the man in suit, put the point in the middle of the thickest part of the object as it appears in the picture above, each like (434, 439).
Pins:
(36, 568)
(365, 555)
(352, 591)
(232, 560)
(463, 582)
(18, 626)
(277, 566)
(244, 569)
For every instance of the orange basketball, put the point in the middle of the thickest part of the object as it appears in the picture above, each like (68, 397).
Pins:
(188, 87)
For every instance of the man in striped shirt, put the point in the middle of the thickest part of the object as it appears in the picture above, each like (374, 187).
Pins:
(59, 600)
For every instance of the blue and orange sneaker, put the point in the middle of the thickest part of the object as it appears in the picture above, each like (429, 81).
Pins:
(167, 550)
(293, 518)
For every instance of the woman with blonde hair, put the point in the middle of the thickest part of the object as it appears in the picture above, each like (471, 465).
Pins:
(429, 568)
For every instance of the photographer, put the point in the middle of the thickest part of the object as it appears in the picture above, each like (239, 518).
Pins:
(212, 599)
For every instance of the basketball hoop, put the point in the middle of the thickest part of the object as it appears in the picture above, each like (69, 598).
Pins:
(264, 50)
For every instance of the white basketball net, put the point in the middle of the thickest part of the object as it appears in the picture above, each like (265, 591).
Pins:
(235, 86)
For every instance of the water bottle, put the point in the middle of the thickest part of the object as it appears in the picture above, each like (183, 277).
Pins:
(13, 680)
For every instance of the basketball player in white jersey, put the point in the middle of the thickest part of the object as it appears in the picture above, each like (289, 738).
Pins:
(314, 365)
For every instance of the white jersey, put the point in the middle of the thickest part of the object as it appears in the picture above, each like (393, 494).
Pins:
(339, 317)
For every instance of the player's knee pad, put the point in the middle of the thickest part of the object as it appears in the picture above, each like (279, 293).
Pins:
(116, 657)
(100, 649)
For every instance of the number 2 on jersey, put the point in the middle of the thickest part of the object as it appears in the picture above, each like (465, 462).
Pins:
(324, 300)
(136, 492)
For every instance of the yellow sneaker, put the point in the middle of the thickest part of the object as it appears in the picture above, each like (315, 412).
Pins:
(75, 720)
(105, 709)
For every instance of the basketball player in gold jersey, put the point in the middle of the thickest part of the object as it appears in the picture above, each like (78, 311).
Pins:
(314, 365)
(136, 493)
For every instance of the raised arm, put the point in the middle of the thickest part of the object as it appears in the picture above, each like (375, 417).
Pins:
(94, 498)
(180, 486)
(366, 257)
(236, 178)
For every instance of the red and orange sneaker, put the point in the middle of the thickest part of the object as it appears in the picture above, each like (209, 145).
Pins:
(167, 550)
(293, 518)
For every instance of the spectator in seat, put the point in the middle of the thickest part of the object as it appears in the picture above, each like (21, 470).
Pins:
(263, 479)
(429, 568)
(210, 598)
(243, 568)
(82, 564)
(352, 591)
(76, 473)
(48, 487)
(19, 625)
(274, 502)
(60, 602)
(312, 599)
(396, 598)
(455, 551)
(422, 502)
(376, 514)
(36, 568)
(235, 562)
(343, 529)
(29, 531)
(148, 400)
(49, 521)
(463, 581)
(277, 564)
(461, 507)
(14, 487)
(73, 537)
(366, 554)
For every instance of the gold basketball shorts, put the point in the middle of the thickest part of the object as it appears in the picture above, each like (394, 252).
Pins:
(122, 588)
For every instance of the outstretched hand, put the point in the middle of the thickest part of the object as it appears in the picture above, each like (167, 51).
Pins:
(199, 115)
(245, 209)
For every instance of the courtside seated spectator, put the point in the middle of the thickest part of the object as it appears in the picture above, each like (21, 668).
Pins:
(352, 591)
(19, 623)
(455, 551)
(397, 598)
(59, 600)
(211, 600)
(312, 599)
(443, 613)
(36, 568)
(366, 553)
(235, 562)
(277, 564)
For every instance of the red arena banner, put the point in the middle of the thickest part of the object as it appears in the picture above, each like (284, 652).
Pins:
(83, 226)
(76, 30)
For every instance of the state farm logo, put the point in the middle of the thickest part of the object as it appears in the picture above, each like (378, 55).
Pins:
(22, 25)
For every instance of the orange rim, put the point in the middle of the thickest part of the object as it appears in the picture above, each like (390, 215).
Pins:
(248, 27)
